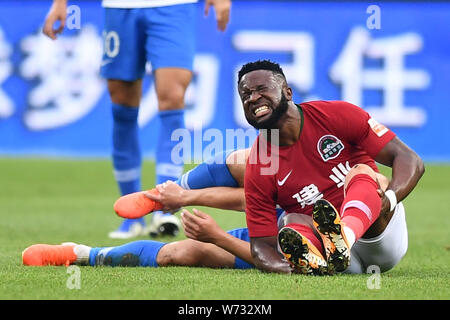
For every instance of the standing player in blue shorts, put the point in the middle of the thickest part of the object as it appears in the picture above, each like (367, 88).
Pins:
(161, 32)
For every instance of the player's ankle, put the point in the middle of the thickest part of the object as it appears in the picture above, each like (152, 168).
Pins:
(350, 236)
(82, 253)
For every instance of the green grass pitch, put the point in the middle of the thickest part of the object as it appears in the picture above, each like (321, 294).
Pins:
(53, 201)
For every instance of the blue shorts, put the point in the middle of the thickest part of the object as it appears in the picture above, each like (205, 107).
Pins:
(163, 36)
(241, 233)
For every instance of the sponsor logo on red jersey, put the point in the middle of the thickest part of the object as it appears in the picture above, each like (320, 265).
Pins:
(329, 147)
(377, 127)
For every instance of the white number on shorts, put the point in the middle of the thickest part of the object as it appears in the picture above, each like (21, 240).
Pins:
(111, 37)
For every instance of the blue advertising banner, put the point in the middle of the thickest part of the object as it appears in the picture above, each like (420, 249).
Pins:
(392, 59)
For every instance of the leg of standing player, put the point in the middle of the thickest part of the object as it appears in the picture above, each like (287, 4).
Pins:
(170, 47)
(170, 85)
(123, 65)
(125, 97)
(133, 37)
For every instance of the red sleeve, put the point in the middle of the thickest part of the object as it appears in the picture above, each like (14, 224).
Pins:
(260, 203)
(359, 128)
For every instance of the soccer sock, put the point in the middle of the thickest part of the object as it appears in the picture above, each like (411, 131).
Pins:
(361, 206)
(350, 235)
(166, 169)
(126, 152)
(126, 149)
(141, 253)
(211, 173)
(82, 252)
(307, 232)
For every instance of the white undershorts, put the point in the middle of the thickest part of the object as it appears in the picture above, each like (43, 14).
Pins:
(384, 251)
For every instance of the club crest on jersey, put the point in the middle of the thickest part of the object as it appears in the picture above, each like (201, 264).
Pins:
(329, 147)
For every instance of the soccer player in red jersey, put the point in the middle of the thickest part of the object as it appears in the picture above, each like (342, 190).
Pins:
(318, 159)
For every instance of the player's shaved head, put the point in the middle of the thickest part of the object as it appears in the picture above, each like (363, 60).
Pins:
(262, 65)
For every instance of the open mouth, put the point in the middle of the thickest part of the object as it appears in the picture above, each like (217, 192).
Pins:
(261, 111)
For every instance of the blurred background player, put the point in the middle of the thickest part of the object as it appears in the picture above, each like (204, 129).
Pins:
(141, 31)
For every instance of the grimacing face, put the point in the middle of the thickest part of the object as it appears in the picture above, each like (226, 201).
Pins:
(262, 97)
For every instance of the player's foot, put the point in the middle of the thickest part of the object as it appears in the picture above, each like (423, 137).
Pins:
(163, 224)
(136, 205)
(300, 252)
(46, 254)
(328, 223)
(130, 228)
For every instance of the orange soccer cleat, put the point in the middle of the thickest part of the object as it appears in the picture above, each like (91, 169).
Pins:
(328, 224)
(136, 205)
(300, 252)
(52, 255)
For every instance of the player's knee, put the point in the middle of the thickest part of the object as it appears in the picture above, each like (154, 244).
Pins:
(360, 169)
(170, 99)
(126, 93)
(169, 255)
(382, 181)
(166, 254)
(171, 85)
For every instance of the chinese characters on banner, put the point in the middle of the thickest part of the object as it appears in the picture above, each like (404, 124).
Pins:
(69, 85)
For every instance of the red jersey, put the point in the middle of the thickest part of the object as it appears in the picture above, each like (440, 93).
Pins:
(334, 136)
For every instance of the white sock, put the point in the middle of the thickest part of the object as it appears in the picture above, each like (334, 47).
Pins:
(82, 253)
(350, 235)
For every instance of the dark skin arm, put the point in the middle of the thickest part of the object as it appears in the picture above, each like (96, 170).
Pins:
(266, 257)
(407, 169)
